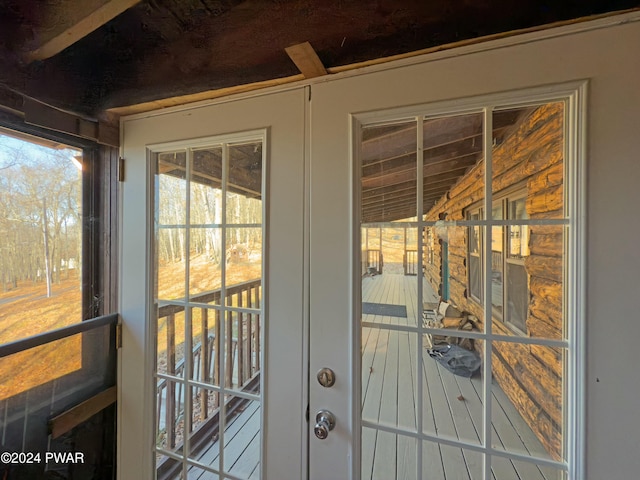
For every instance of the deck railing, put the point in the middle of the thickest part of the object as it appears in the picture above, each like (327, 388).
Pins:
(372, 261)
(410, 262)
(240, 346)
(57, 395)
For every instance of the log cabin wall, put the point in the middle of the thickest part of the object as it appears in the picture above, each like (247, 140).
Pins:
(531, 156)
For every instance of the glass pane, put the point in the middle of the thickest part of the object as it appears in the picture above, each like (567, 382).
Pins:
(197, 473)
(447, 302)
(203, 335)
(242, 437)
(207, 350)
(244, 186)
(389, 375)
(529, 149)
(41, 239)
(243, 257)
(534, 283)
(386, 455)
(453, 169)
(170, 340)
(223, 334)
(169, 420)
(389, 172)
(453, 391)
(206, 187)
(240, 348)
(504, 468)
(527, 399)
(170, 263)
(171, 188)
(205, 427)
(205, 265)
(545, 267)
(442, 462)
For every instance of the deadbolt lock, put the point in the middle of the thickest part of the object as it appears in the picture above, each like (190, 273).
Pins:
(326, 377)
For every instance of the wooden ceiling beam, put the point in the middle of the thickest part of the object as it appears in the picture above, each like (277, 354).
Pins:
(306, 59)
(45, 116)
(72, 21)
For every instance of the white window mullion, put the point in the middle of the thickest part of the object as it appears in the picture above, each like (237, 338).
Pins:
(188, 398)
(223, 308)
(487, 138)
(420, 278)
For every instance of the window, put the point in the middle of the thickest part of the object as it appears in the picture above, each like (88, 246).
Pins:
(507, 244)
(509, 280)
(430, 247)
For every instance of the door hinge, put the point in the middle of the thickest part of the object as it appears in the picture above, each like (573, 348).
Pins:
(118, 336)
(307, 413)
(121, 169)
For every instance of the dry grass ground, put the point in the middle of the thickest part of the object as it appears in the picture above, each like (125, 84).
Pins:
(26, 311)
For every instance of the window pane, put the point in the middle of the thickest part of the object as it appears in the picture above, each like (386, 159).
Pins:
(389, 172)
(242, 437)
(387, 455)
(244, 184)
(443, 462)
(206, 187)
(40, 237)
(453, 164)
(453, 389)
(214, 252)
(529, 149)
(534, 285)
(527, 399)
(517, 296)
(497, 262)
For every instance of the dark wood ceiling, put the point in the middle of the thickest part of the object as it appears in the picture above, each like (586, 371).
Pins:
(155, 49)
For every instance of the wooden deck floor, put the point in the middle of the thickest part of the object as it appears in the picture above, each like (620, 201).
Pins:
(241, 451)
(452, 406)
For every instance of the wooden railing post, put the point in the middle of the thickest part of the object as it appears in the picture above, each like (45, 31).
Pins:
(256, 339)
(216, 367)
(228, 350)
(171, 386)
(204, 361)
(249, 333)
(240, 342)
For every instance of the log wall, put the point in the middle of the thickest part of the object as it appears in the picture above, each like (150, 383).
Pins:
(531, 375)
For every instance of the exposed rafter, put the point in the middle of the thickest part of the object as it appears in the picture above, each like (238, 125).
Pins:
(69, 21)
(306, 59)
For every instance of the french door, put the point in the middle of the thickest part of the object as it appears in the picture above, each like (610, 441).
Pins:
(365, 280)
(212, 367)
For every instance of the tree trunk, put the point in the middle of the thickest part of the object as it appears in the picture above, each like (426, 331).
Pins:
(45, 229)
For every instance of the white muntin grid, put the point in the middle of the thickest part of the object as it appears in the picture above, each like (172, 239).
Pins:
(224, 144)
(573, 97)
